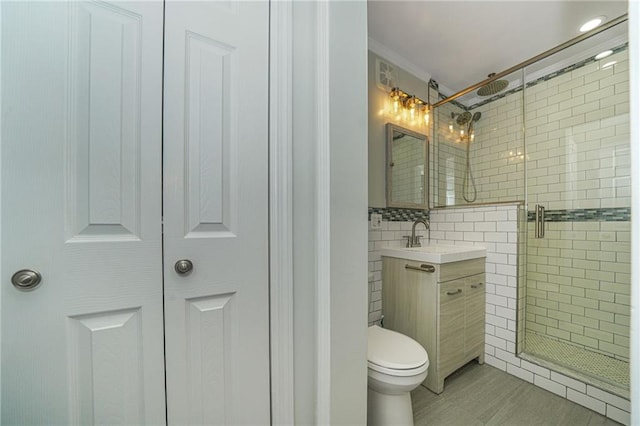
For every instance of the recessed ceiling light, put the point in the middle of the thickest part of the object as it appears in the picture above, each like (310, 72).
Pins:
(591, 24)
(603, 54)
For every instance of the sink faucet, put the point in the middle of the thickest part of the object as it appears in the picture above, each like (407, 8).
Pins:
(414, 240)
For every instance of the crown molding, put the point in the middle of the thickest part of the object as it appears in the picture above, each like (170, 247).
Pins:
(388, 54)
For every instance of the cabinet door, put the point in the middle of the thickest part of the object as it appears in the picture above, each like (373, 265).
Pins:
(474, 314)
(451, 326)
(409, 300)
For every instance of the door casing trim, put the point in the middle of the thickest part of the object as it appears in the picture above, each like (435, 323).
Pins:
(281, 211)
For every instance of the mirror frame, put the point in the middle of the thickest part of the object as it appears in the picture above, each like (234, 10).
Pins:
(389, 168)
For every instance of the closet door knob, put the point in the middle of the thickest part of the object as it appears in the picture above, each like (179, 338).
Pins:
(183, 267)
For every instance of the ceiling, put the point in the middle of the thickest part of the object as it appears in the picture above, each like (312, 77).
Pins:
(458, 43)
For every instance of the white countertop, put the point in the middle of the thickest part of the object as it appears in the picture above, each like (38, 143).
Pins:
(435, 253)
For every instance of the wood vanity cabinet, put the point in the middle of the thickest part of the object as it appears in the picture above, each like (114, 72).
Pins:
(440, 306)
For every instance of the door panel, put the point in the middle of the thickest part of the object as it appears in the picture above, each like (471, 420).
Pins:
(103, 146)
(215, 212)
(104, 360)
(81, 188)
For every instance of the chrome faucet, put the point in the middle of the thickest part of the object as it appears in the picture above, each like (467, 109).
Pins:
(413, 240)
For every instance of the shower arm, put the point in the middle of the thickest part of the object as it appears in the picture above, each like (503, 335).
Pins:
(620, 19)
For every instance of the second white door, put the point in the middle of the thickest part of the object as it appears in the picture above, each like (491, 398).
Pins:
(215, 212)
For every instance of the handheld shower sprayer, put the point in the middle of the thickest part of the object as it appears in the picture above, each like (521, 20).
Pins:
(468, 176)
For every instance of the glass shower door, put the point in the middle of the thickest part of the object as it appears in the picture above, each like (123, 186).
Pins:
(577, 282)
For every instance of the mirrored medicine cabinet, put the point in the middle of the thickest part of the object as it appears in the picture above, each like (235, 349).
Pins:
(407, 168)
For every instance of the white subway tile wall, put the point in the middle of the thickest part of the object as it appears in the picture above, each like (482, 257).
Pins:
(578, 285)
(496, 154)
(448, 158)
(577, 128)
(577, 143)
(495, 228)
(577, 135)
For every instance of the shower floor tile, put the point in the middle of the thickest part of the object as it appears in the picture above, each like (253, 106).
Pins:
(592, 364)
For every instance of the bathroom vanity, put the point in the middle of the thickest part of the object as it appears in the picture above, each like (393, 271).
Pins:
(436, 295)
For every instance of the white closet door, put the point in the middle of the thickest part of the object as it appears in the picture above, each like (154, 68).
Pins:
(81, 205)
(215, 212)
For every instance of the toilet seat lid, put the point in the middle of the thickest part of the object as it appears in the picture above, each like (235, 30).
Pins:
(390, 349)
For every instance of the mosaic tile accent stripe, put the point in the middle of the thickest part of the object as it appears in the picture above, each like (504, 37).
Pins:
(399, 215)
(575, 66)
(622, 214)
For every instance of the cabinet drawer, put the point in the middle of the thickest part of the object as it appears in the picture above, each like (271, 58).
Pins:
(464, 268)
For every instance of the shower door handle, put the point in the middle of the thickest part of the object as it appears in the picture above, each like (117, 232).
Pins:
(539, 221)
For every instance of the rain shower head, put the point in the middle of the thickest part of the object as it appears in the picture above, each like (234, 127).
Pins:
(463, 118)
(493, 87)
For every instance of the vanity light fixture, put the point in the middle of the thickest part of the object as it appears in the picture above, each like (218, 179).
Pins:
(592, 23)
(409, 108)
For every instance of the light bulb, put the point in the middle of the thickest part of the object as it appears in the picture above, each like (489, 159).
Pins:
(395, 98)
(591, 24)
(411, 106)
(604, 54)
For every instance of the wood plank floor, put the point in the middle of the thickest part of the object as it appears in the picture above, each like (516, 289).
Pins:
(483, 395)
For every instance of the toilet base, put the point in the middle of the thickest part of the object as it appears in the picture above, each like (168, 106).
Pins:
(385, 410)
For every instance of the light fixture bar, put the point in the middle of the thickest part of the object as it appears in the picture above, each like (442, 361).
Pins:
(414, 110)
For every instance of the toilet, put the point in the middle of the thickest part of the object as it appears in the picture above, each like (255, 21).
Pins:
(397, 364)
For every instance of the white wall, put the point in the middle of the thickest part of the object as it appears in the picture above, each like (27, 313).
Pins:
(348, 201)
(330, 223)
(304, 222)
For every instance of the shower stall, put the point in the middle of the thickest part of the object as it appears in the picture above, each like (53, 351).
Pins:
(553, 136)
